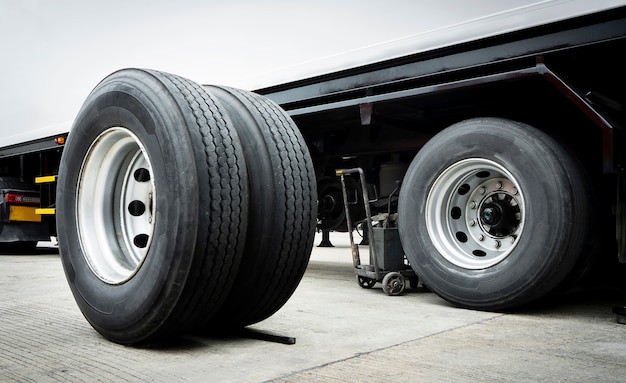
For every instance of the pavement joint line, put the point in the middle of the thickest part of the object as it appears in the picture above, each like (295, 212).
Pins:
(366, 353)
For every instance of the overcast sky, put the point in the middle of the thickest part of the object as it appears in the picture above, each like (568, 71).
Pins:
(55, 51)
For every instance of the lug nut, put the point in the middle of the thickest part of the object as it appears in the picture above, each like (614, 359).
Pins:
(497, 244)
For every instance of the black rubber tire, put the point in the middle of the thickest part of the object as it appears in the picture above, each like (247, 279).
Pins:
(200, 207)
(393, 283)
(558, 215)
(365, 282)
(283, 204)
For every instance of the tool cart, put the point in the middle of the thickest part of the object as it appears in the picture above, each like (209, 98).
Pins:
(387, 263)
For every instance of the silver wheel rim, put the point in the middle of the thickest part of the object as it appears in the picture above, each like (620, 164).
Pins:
(475, 213)
(115, 213)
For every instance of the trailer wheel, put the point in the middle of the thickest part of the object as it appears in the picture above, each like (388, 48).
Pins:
(152, 206)
(283, 202)
(494, 214)
(331, 210)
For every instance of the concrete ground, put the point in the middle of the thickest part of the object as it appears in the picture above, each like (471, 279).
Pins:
(343, 334)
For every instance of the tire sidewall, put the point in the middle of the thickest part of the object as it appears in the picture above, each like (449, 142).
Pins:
(510, 145)
(149, 294)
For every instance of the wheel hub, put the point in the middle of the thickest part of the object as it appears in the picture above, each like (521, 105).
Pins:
(491, 214)
(474, 213)
(499, 215)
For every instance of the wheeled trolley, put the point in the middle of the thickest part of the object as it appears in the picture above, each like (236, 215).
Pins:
(387, 263)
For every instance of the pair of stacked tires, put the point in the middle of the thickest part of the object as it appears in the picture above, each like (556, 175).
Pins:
(182, 208)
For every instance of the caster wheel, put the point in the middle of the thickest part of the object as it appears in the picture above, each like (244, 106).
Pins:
(394, 284)
(364, 282)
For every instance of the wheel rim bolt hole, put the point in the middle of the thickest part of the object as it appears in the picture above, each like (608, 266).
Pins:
(456, 212)
(136, 208)
(461, 236)
(142, 175)
(141, 240)
(464, 189)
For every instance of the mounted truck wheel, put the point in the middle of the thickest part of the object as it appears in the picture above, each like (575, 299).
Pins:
(153, 195)
(494, 214)
(283, 203)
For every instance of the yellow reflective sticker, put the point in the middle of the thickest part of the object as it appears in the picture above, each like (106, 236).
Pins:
(23, 213)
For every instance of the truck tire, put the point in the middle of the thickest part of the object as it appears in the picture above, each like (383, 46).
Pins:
(283, 204)
(152, 206)
(494, 214)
